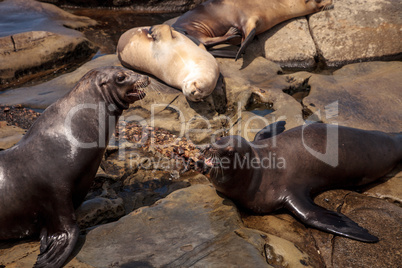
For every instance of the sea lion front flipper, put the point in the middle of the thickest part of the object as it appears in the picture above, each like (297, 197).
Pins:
(249, 34)
(270, 131)
(325, 220)
(246, 42)
(57, 241)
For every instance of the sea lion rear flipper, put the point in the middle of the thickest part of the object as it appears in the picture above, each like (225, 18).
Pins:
(246, 42)
(232, 33)
(270, 131)
(223, 53)
(56, 247)
(328, 221)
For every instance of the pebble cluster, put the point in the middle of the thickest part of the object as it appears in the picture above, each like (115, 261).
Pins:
(161, 142)
(18, 116)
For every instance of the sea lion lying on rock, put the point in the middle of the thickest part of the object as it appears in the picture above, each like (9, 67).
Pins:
(218, 21)
(283, 171)
(47, 175)
(170, 56)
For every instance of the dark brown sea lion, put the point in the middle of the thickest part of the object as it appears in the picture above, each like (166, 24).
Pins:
(47, 175)
(284, 171)
(217, 21)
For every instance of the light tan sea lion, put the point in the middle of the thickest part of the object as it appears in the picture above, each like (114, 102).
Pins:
(217, 21)
(171, 57)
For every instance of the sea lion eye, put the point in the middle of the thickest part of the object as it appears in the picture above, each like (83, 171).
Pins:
(121, 77)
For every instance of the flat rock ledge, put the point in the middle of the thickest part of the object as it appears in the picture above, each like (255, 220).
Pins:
(37, 43)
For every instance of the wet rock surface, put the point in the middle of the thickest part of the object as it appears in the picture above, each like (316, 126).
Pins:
(38, 32)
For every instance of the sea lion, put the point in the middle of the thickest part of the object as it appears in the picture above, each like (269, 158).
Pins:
(218, 21)
(47, 174)
(171, 57)
(285, 170)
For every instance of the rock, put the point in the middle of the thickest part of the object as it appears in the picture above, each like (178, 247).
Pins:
(37, 31)
(389, 188)
(289, 229)
(139, 5)
(9, 135)
(25, 254)
(361, 95)
(43, 95)
(380, 217)
(288, 44)
(356, 31)
(191, 227)
(99, 210)
(251, 83)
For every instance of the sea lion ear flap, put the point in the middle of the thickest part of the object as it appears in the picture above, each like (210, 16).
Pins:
(230, 149)
(102, 80)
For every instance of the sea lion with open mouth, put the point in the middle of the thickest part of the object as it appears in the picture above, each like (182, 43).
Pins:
(284, 171)
(218, 21)
(47, 175)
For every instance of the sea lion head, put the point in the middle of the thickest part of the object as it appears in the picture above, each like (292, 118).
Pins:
(227, 159)
(200, 83)
(195, 89)
(121, 86)
(318, 5)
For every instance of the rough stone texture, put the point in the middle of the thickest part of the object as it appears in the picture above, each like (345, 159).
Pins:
(256, 81)
(138, 5)
(289, 44)
(356, 31)
(191, 227)
(362, 95)
(380, 217)
(288, 228)
(390, 188)
(99, 210)
(9, 135)
(34, 40)
(21, 255)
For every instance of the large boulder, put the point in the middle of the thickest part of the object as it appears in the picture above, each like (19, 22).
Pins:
(288, 44)
(356, 31)
(35, 41)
